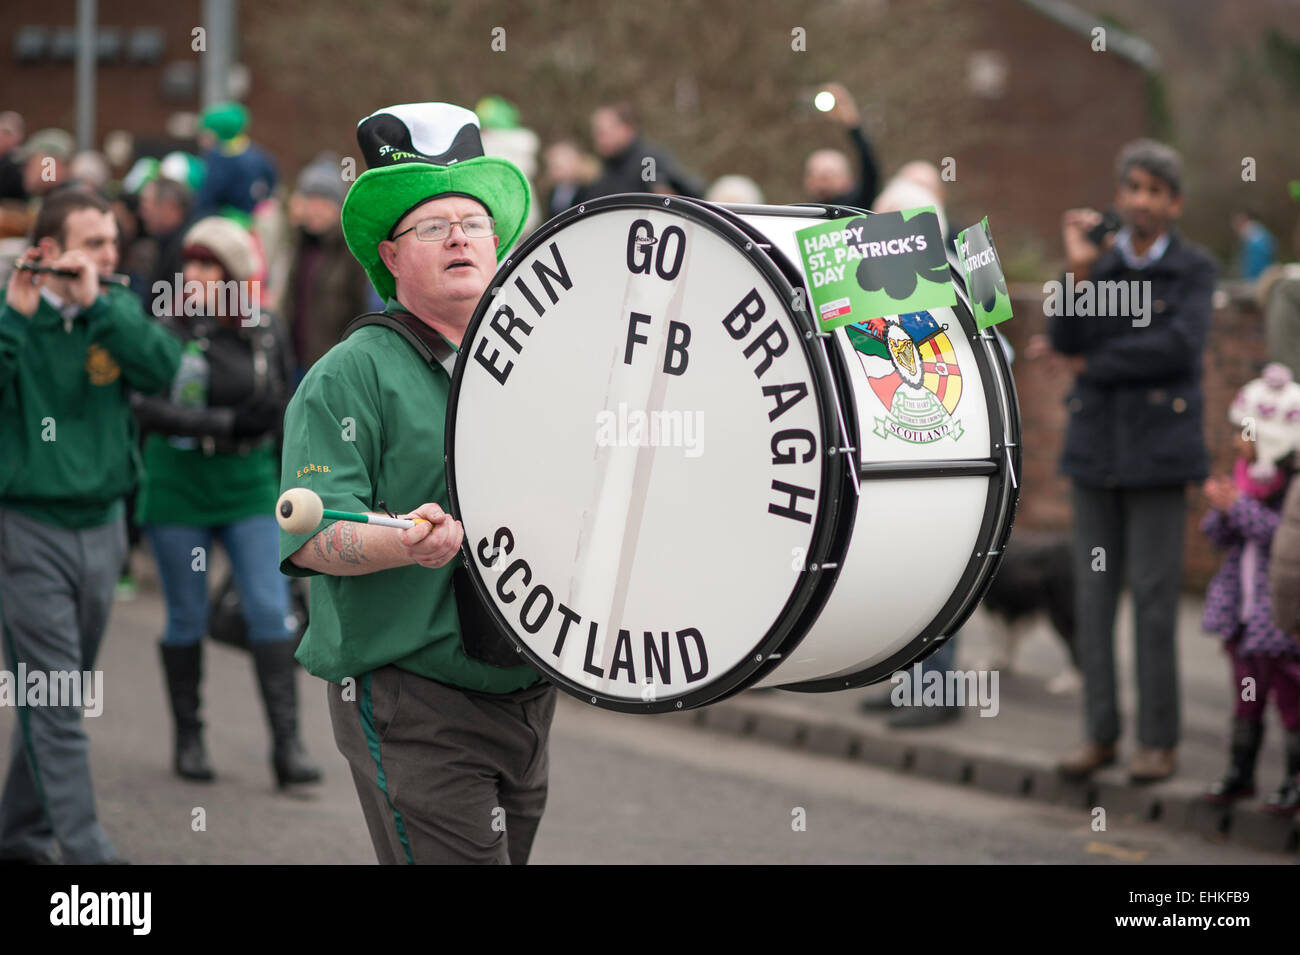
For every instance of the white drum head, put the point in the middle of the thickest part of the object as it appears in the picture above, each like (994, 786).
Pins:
(640, 453)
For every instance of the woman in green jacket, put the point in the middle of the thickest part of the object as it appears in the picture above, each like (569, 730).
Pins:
(212, 472)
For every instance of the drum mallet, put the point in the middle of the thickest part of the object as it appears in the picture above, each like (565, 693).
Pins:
(299, 510)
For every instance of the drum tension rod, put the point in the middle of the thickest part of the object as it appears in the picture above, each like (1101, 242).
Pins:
(833, 450)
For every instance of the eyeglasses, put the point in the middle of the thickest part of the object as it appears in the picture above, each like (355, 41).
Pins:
(437, 229)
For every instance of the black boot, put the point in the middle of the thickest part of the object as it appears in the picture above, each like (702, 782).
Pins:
(1286, 800)
(1239, 783)
(183, 666)
(276, 673)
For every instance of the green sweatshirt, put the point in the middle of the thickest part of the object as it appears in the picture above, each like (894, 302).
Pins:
(67, 437)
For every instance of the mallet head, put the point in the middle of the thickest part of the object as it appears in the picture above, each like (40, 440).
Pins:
(299, 510)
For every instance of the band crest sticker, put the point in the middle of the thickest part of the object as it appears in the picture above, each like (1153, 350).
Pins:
(912, 368)
(100, 367)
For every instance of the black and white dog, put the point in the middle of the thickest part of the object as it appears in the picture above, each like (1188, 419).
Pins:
(1035, 577)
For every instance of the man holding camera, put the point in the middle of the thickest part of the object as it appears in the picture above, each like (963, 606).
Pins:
(1133, 442)
(69, 350)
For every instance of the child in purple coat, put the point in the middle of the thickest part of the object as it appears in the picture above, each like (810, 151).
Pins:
(1246, 511)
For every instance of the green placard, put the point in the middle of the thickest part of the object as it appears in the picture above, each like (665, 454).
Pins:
(865, 267)
(984, 281)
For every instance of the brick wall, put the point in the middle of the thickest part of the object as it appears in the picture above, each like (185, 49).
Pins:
(716, 81)
(1234, 354)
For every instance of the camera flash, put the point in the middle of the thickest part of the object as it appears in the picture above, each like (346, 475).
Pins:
(824, 101)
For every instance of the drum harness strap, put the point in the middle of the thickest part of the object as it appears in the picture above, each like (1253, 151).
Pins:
(435, 352)
(480, 638)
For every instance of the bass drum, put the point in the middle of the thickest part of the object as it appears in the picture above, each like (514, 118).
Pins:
(673, 487)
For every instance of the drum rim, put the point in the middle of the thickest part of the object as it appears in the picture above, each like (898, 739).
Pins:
(782, 635)
(1000, 506)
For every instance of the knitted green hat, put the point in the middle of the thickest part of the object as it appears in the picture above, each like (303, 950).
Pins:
(496, 112)
(224, 120)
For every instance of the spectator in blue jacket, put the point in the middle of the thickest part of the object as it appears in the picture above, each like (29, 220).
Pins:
(1257, 249)
(239, 173)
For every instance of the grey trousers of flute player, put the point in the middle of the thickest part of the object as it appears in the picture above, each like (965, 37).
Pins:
(445, 776)
(1140, 533)
(56, 591)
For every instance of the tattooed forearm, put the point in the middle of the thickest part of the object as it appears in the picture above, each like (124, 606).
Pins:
(351, 543)
(347, 549)
(341, 538)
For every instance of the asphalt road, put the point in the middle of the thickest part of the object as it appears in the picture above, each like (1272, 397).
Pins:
(624, 789)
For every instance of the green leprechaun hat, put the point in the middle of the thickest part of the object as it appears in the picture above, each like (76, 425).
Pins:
(416, 152)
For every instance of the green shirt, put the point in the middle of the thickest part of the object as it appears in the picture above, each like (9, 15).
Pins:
(366, 425)
(186, 486)
(67, 435)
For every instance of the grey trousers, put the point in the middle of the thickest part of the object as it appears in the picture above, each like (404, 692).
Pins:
(56, 591)
(1140, 535)
(445, 776)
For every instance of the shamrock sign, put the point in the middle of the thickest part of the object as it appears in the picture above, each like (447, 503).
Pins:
(984, 280)
(866, 267)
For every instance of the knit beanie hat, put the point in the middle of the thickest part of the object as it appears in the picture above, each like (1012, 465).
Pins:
(323, 177)
(229, 242)
(1270, 407)
(144, 171)
(47, 142)
(496, 112)
(183, 167)
(224, 120)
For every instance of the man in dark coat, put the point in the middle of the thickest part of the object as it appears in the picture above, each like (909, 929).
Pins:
(326, 287)
(828, 175)
(1132, 325)
(165, 215)
(629, 162)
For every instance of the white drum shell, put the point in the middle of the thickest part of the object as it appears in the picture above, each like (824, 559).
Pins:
(913, 539)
